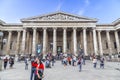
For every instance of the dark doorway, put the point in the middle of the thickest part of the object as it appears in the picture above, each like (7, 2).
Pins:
(59, 49)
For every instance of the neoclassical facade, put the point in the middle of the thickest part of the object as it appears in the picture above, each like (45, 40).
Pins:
(60, 32)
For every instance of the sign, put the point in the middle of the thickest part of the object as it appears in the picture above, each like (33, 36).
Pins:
(39, 49)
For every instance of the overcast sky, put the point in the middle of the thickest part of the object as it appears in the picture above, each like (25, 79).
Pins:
(106, 11)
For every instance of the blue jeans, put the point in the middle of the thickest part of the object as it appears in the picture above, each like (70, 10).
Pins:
(101, 65)
(52, 63)
(32, 73)
(80, 67)
(95, 64)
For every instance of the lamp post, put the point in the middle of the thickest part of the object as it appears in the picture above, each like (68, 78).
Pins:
(1, 35)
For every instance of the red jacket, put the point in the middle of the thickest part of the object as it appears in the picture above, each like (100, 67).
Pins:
(34, 64)
(41, 66)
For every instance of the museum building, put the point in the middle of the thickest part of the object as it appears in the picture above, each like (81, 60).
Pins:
(60, 32)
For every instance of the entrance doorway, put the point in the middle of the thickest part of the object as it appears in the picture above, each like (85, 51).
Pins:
(59, 49)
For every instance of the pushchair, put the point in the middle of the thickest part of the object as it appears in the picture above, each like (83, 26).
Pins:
(47, 64)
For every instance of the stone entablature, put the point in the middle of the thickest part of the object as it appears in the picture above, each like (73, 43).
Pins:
(59, 24)
(12, 27)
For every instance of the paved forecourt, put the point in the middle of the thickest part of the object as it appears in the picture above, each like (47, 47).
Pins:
(59, 72)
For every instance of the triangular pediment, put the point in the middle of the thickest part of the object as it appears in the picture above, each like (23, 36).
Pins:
(116, 22)
(2, 22)
(59, 16)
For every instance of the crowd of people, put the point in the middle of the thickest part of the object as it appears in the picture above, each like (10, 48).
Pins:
(10, 61)
(80, 60)
(38, 64)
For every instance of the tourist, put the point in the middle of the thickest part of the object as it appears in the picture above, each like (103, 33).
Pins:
(47, 63)
(95, 62)
(74, 59)
(26, 63)
(65, 61)
(11, 62)
(33, 67)
(39, 71)
(53, 60)
(102, 63)
(83, 60)
(5, 62)
(80, 64)
(69, 60)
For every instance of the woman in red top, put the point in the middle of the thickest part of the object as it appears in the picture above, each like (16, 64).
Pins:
(39, 70)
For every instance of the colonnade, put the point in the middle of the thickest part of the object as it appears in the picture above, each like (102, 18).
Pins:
(84, 35)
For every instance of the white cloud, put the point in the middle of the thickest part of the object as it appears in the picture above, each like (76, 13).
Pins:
(60, 3)
(81, 12)
(59, 7)
(83, 9)
(87, 2)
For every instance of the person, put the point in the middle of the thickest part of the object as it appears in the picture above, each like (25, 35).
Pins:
(74, 60)
(80, 64)
(83, 58)
(95, 62)
(47, 63)
(11, 62)
(5, 62)
(65, 61)
(102, 63)
(69, 60)
(33, 67)
(26, 63)
(39, 71)
(53, 60)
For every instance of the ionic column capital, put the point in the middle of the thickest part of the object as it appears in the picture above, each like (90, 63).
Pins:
(74, 28)
(9, 31)
(18, 31)
(107, 30)
(34, 28)
(64, 28)
(99, 30)
(44, 28)
(84, 28)
(116, 31)
(24, 28)
(54, 28)
(93, 28)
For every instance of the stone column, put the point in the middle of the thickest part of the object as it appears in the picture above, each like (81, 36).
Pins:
(23, 41)
(54, 41)
(18, 41)
(100, 43)
(34, 41)
(81, 39)
(27, 42)
(8, 42)
(109, 42)
(30, 44)
(91, 42)
(64, 40)
(117, 41)
(44, 40)
(74, 41)
(85, 41)
(95, 42)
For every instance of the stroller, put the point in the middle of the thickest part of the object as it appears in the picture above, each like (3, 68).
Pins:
(47, 64)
